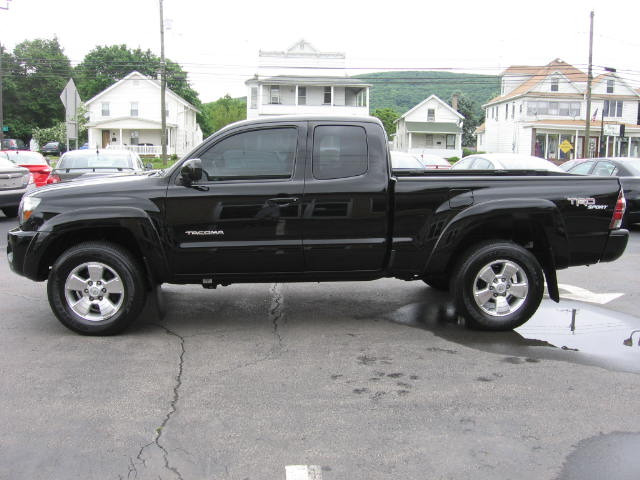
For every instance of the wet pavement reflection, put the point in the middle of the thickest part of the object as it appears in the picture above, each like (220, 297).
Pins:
(569, 331)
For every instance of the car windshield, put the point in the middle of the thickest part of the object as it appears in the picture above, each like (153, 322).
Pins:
(404, 160)
(26, 158)
(91, 159)
(52, 144)
(12, 144)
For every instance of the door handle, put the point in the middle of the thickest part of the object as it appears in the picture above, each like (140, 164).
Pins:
(283, 201)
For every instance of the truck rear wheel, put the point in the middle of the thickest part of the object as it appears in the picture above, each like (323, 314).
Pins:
(497, 286)
(96, 288)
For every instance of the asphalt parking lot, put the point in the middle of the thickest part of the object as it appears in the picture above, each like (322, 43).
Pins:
(363, 380)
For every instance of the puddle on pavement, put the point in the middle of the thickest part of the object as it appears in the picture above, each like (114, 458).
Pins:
(569, 331)
(611, 457)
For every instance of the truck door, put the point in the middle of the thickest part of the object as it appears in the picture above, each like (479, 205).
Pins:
(346, 197)
(245, 215)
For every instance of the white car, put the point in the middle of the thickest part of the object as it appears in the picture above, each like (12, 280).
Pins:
(405, 161)
(504, 161)
(435, 162)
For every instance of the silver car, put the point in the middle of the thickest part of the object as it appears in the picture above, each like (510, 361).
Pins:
(83, 164)
(15, 181)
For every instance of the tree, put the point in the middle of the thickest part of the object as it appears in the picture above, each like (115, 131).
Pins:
(34, 76)
(467, 108)
(387, 116)
(105, 65)
(222, 112)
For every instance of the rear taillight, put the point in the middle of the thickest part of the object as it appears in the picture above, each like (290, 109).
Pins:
(53, 179)
(618, 212)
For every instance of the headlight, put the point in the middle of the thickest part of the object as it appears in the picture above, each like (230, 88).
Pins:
(27, 179)
(27, 206)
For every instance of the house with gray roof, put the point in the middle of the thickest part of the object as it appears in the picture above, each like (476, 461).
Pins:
(431, 127)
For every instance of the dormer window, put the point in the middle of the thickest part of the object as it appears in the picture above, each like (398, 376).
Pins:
(554, 84)
(610, 85)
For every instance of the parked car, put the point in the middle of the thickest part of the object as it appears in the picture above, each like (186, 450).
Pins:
(35, 162)
(504, 161)
(434, 161)
(405, 161)
(53, 148)
(84, 146)
(13, 144)
(15, 181)
(250, 205)
(93, 163)
(628, 169)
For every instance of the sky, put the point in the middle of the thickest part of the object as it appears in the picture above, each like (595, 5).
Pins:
(217, 43)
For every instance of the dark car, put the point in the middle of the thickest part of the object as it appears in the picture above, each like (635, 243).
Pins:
(53, 148)
(13, 144)
(15, 181)
(627, 168)
(93, 163)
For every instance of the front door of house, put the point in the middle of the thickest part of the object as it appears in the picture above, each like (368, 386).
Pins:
(105, 138)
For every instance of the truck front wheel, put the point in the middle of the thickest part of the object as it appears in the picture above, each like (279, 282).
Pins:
(96, 288)
(497, 286)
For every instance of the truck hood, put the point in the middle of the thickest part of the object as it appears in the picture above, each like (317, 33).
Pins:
(99, 186)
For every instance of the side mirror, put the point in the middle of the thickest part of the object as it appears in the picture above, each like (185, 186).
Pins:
(191, 171)
(148, 166)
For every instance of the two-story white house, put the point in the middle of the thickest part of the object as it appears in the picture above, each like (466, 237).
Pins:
(303, 80)
(127, 115)
(431, 127)
(542, 111)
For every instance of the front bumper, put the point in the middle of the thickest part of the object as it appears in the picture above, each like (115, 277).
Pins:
(11, 198)
(18, 245)
(616, 243)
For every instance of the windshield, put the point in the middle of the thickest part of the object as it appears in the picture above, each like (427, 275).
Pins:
(12, 144)
(404, 160)
(26, 158)
(91, 159)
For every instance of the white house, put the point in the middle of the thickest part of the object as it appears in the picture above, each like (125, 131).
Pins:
(303, 80)
(431, 127)
(127, 115)
(542, 111)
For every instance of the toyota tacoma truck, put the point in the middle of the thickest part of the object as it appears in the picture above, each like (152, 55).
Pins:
(298, 199)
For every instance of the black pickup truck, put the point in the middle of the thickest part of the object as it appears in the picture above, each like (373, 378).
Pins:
(286, 199)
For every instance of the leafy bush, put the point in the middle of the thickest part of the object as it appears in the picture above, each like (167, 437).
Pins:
(452, 159)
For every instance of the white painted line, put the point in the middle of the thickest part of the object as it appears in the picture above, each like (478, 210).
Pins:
(303, 472)
(584, 295)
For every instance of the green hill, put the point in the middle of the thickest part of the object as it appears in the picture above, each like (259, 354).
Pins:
(404, 90)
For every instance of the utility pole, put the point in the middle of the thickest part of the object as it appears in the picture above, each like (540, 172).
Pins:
(1, 111)
(163, 88)
(587, 134)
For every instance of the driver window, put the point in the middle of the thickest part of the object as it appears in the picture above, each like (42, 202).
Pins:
(261, 154)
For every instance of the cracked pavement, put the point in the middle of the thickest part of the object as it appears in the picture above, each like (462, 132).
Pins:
(237, 383)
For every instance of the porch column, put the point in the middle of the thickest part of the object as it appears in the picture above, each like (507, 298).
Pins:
(628, 146)
(296, 99)
(533, 142)
(367, 99)
(332, 93)
(121, 138)
(546, 146)
(410, 135)
(259, 104)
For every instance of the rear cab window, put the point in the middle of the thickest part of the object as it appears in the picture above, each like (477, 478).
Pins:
(339, 151)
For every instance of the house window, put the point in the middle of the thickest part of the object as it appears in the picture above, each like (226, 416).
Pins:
(520, 108)
(134, 137)
(134, 109)
(302, 95)
(451, 142)
(105, 109)
(610, 85)
(428, 140)
(554, 85)
(254, 97)
(431, 115)
(274, 95)
(327, 96)
(361, 98)
(613, 108)
(571, 109)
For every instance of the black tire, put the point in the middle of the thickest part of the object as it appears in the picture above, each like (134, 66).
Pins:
(438, 283)
(10, 212)
(121, 274)
(495, 313)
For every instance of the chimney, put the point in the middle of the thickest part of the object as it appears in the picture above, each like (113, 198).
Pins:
(454, 102)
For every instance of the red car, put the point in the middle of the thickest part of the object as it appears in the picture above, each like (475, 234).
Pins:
(34, 161)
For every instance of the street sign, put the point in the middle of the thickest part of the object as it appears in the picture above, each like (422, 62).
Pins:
(612, 130)
(566, 146)
(71, 101)
(5, 128)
